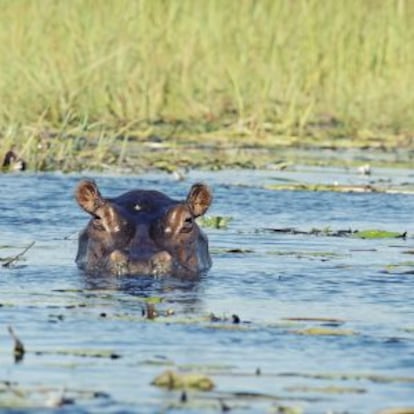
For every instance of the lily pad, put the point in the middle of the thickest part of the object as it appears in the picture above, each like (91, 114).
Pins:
(379, 234)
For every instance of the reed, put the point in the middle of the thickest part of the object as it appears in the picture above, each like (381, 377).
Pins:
(237, 67)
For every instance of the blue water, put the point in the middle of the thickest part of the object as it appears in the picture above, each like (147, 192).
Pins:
(366, 285)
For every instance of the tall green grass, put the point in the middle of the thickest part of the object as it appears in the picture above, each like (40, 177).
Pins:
(264, 66)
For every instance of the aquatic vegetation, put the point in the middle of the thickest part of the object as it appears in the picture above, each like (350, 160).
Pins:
(362, 234)
(379, 234)
(216, 222)
(82, 353)
(10, 261)
(42, 396)
(18, 348)
(178, 380)
(319, 255)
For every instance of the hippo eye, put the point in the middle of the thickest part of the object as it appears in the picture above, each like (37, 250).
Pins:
(187, 225)
(137, 207)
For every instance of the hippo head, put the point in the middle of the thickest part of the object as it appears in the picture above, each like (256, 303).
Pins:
(143, 232)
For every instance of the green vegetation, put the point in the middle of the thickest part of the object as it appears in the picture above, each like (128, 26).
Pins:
(215, 222)
(379, 234)
(86, 83)
(362, 234)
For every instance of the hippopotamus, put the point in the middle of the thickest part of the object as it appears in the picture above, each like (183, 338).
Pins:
(143, 232)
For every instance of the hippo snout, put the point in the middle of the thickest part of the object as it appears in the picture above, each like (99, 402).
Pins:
(157, 264)
(143, 232)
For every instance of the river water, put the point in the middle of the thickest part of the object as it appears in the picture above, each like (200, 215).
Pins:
(326, 323)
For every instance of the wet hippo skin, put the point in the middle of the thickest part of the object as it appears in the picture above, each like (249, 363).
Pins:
(143, 232)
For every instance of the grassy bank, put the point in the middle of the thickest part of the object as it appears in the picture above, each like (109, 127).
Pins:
(80, 77)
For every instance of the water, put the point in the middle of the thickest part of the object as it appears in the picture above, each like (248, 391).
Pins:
(362, 290)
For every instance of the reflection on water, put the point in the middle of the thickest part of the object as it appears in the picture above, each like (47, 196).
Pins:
(326, 321)
(185, 293)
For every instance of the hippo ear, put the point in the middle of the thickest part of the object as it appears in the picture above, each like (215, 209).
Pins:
(199, 199)
(88, 196)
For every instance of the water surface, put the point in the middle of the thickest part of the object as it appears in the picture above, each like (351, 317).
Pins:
(90, 341)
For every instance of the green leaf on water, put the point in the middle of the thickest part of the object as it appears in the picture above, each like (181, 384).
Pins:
(379, 234)
(154, 300)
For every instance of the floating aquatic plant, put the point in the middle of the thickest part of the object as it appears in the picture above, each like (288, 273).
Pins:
(379, 234)
(177, 380)
(362, 234)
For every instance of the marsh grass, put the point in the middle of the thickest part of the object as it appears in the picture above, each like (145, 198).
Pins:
(289, 72)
